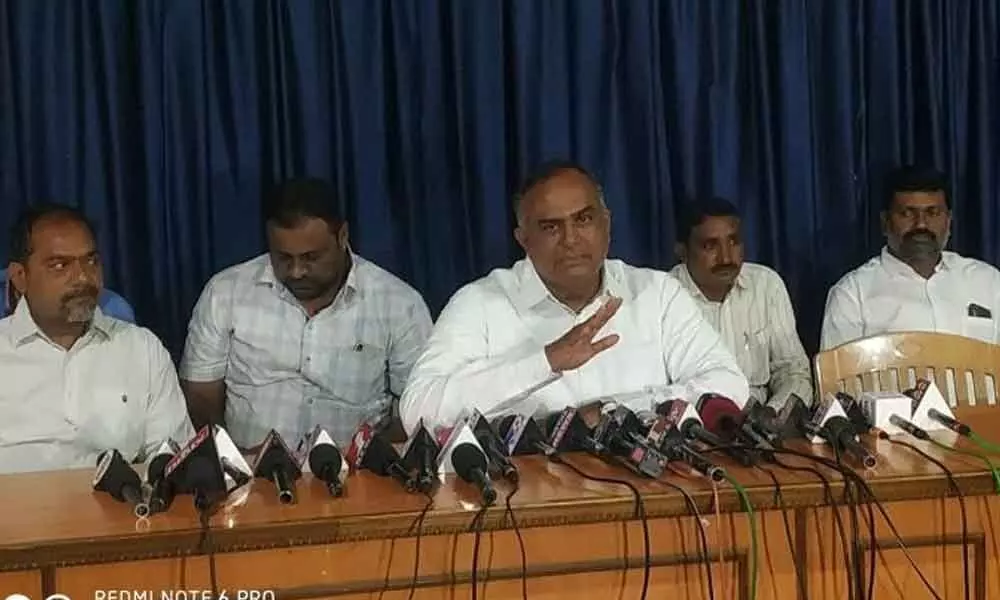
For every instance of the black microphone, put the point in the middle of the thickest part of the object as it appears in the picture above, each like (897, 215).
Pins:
(420, 457)
(841, 434)
(470, 465)
(325, 462)
(621, 435)
(949, 422)
(275, 462)
(522, 435)
(495, 451)
(666, 435)
(569, 433)
(382, 459)
(763, 420)
(116, 477)
(855, 414)
(908, 427)
(161, 494)
(197, 470)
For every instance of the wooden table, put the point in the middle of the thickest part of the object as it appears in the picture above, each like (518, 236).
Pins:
(581, 537)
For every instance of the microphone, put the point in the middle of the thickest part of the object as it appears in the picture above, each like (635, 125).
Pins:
(838, 431)
(522, 435)
(763, 420)
(792, 418)
(494, 448)
(325, 462)
(197, 470)
(692, 429)
(909, 427)
(161, 494)
(275, 462)
(568, 432)
(855, 414)
(879, 406)
(620, 433)
(382, 459)
(469, 463)
(419, 457)
(926, 398)
(116, 477)
(949, 422)
(720, 415)
(666, 435)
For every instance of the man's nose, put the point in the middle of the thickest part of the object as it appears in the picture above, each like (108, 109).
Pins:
(298, 269)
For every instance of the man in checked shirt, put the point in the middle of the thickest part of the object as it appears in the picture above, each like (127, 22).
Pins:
(308, 334)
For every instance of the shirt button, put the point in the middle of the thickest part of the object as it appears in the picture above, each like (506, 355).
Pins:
(308, 359)
(309, 401)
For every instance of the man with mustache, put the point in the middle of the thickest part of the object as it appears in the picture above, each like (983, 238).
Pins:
(76, 382)
(747, 303)
(308, 334)
(566, 325)
(915, 285)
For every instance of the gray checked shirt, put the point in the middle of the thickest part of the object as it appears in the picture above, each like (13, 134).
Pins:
(286, 371)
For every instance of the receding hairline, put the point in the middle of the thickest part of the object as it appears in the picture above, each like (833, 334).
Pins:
(519, 199)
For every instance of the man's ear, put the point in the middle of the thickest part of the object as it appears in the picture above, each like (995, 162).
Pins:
(343, 236)
(16, 277)
(884, 219)
(520, 236)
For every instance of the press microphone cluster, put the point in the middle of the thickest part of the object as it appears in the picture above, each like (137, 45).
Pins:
(116, 477)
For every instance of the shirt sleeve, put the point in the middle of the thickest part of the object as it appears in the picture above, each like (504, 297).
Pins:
(456, 371)
(206, 351)
(696, 359)
(166, 413)
(409, 337)
(842, 318)
(790, 372)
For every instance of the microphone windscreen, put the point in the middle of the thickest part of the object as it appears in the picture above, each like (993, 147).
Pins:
(720, 415)
(466, 458)
(324, 453)
(379, 455)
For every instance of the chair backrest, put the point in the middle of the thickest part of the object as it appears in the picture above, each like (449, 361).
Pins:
(964, 369)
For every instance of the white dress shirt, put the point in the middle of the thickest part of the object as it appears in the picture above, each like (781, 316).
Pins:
(59, 409)
(885, 294)
(287, 371)
(487, 350)
(757, 323)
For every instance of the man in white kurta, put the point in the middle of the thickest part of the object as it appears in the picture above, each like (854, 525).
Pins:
(566, 326)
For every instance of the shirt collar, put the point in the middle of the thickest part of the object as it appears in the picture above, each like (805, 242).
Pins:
(742, 281)
(531, 290)
(895, 266)
(23, 327)
(265, 276)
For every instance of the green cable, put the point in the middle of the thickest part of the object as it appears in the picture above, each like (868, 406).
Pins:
(982, 457)
(745, 499)
(984, 444)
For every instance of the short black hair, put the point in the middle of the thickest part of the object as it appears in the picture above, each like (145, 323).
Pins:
(915, 178)
(287, 203)
(20, 234)
(548, 170)
(694, 214)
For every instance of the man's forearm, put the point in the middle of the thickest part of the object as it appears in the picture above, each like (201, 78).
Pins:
(206, 403)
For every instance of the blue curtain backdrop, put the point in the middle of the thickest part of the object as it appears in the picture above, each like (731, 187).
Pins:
(164, 119)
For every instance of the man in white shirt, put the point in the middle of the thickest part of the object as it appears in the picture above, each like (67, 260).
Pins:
(747, 303)
(914, 285)
(566, 325)
(308, 334)
(76, 382)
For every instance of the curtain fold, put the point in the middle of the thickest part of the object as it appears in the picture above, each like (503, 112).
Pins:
(165, 119)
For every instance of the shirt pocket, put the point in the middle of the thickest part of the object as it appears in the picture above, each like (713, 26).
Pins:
(115, 420)
(757, 357)
(355, 374)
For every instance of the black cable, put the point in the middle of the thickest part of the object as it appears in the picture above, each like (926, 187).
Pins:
(961, 504)
(206, 546)
(418, 523)
(516, 486)
(878, 504)
(831, 500)
(701, 533)
(639, 513)
(477, 527)
(780, 500)
(855, 580)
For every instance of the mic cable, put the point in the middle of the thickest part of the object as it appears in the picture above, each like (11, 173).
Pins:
(748, 507)
(418, 524)
(639, 511)
(850, 495)
(477, 527)
(205, 545)
(702, 534)
(779, 499)
(986, 459)
(509, 513)
(878, 504)
(961, 503)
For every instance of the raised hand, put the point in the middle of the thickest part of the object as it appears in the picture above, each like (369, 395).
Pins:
(577, 346)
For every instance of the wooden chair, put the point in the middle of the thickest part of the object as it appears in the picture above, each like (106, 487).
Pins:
(964, 369)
